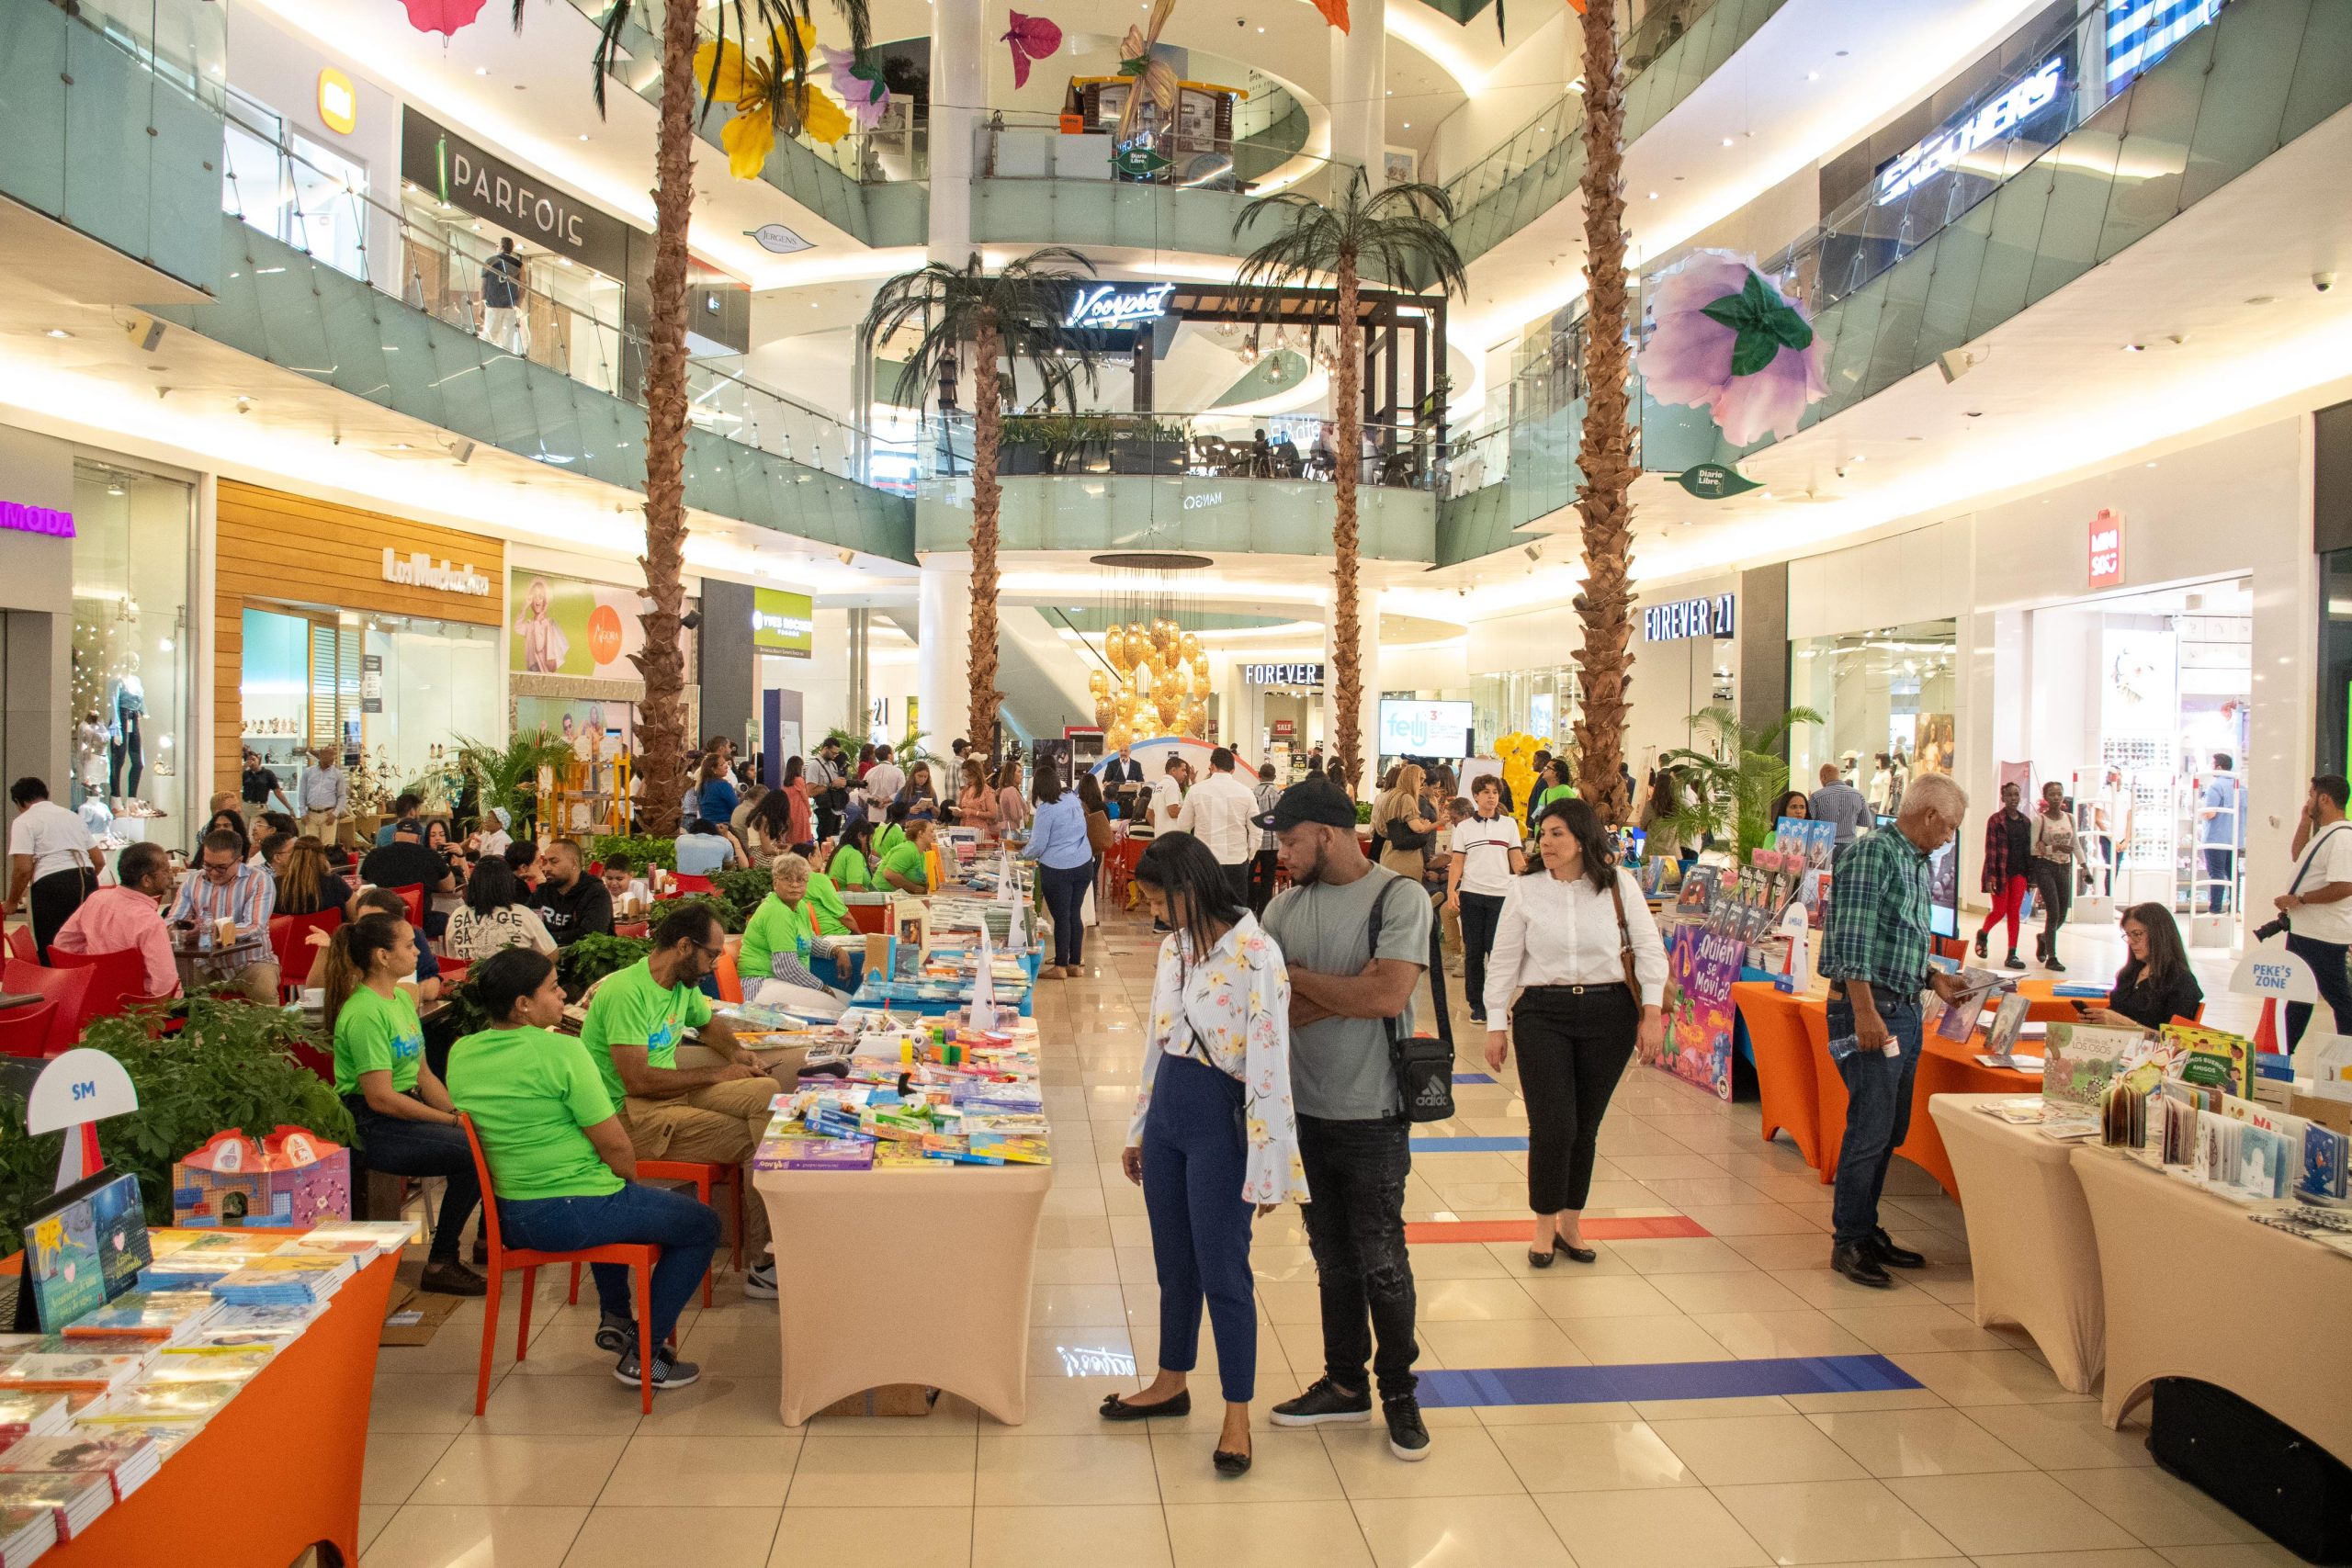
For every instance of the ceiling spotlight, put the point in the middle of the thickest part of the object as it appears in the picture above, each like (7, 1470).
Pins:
(1812, 76)
(1653, 196)
(57, 331)
(583, 136)
(1577, 86)
(846, 556)
(2135, 348)
(1726, 140)
(403, 447)
(481, 70)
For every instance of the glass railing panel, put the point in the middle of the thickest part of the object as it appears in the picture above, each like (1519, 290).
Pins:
(32, 104)
(183, 234)
(2079, 186)
(355, 346)
(1902, 308)
(2016, 233)
(1952, 285)
(2323, 74)
(2245, 96)
(408, 341)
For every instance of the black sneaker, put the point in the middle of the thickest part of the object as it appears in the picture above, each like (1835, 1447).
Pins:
(2053, 964)
(668, 1371)
(2013, 961)
(1322, 1402)
(1408, 1438)
(615, 1333)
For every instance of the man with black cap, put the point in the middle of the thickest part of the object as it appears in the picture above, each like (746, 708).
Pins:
(1355, 942)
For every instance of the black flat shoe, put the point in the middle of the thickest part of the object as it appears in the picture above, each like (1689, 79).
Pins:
(1575, 1254)
(1539, 1260)
(1117, 1409)
(1229, 1464)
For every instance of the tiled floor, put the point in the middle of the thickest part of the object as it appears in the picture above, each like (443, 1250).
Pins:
(1988, 1459)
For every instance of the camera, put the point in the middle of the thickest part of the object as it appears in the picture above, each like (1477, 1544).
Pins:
(2273, 927)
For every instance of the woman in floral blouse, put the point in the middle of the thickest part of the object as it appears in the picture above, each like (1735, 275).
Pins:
(1215, 1141)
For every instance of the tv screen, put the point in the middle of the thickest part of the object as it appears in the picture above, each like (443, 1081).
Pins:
(1410, 728)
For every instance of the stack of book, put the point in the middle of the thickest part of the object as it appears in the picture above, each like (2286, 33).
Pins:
(71, 1371)
(285, 1282)
(162, 1317)
(30, 1415)
(73, 1501)
(24, 1534)
(127, 1460)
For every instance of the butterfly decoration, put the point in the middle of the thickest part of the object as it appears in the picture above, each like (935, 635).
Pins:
(766, 100)
(1336, 12)
(1155, 78)
(444, 16)
(1033, 39)
(860, 84)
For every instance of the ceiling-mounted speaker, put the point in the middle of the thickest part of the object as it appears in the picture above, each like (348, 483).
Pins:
(153, 337)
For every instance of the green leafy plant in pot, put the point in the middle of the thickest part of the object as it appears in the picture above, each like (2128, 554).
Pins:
(1730, 782)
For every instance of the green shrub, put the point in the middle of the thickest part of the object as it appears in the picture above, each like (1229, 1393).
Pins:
(745, 887)
(728, 915)
(229, 1066)
(593, 956)
(641, 849)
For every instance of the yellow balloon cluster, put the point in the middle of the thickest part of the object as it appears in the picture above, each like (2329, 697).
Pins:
(1517, 754)
(1161, 686)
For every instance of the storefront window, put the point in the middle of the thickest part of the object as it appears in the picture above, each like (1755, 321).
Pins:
(1544, 702)
(131, 660)
(1885, 693)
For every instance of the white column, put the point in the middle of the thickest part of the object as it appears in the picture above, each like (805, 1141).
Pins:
(943, 649)
(958, 103)
(1358, 84)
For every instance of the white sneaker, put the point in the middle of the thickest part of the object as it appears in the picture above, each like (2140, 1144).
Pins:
(759, 1284)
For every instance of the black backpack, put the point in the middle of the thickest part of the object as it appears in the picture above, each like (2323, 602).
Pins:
(1424, 1066)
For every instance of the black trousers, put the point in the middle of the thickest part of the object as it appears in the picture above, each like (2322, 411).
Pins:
(52, 900)
(1237, 881)
(1574, 1043)
(1355, 1228)
(1482, 913)
(2327, 959)
(1262, 866)
(2054, 884)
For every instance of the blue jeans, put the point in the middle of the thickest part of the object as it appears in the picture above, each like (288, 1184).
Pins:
(1878, 1111)
(687, 1232)
(2220, 864)
(1355, 1229)
(1194, 1160)
(1065, 889)
(402, 1147)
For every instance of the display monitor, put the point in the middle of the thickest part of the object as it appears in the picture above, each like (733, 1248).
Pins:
(1413, 729)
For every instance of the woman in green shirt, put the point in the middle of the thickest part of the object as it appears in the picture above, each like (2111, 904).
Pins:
(850, 866)
(561, 1163)
(893, 831)
(406, 1123)
(905, 865)
(788, 924)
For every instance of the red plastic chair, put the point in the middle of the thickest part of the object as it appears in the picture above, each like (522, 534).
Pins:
(639, 1256)
(24, 1031)
(413, 896)
(453, 971)
(116, 979)
(705, 1177)
(693, 882)
(289, 939)
(21, 945)
(69, 988)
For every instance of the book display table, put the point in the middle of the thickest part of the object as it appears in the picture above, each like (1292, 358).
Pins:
(905, 1275)
(2187, 1273)
(275, 1472)
(1784, 1072)
(2030, 1239)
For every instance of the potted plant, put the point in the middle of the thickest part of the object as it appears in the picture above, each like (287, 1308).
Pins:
(1730, 782)
(508, 775)
(1020, 450)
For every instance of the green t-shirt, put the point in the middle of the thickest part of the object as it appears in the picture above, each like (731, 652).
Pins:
(848, 869)
(832, 915)
(377, 1035)
(631, 1009)
(530, 1093)
(906, 858)
(1557, 791)
(773, 928)
(887, 836)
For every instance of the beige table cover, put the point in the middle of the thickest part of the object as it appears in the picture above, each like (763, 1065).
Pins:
(906, 1276)
(2029, 1240)
(2197, 1290)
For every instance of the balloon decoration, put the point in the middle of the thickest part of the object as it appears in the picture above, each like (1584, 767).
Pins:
(1032, 40)
(1158, 683)
(443, 17)
(765, 101)
(1729, 341)
(1517, 753)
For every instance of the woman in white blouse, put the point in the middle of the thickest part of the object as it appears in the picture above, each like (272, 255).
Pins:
(1214, 1141)
(1576, 940)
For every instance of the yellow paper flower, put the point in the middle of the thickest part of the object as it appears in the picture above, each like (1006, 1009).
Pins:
(749, 138)
(765, 99)
(823, 119)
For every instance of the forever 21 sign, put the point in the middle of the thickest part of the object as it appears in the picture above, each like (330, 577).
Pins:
(460, 173)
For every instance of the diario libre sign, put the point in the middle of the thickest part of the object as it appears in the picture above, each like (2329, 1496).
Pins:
(466, 178)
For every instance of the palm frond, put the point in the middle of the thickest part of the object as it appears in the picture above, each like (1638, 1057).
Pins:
(1026, 303)
(1400, 230)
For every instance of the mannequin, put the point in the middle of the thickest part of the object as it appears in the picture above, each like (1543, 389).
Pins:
(91, 741)
(126, 704)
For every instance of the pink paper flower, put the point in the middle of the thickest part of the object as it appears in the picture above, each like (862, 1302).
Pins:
(1727, 341)
(859, 87)
(444, 16)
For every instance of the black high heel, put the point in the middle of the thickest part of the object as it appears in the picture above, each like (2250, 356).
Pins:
(1117, 1409)
(1575, 1254)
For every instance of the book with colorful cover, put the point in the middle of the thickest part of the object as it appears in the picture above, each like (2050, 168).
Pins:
(2321, 1178)
(2213, 1058)
(25, 1534)
(290, 1320)
(144, 1402)
(210, 1363)
(26, 1413)
(1010, 1148)
(61, 1371)
(165, 1316)
(74, 1501)
(2078, 1062)
(127, 1459)
(2001, 1038)
(814, 1154)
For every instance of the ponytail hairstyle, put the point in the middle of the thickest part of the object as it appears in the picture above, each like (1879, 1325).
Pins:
(351, 957)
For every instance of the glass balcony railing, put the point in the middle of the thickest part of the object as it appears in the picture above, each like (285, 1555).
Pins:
(1292, 448)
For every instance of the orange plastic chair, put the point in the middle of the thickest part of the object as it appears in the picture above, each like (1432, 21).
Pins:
(454, 971)
(413, 896)
(116, 979)
(21, 944)
(705, 1177)
(730, 980)
(24, 1031)
(289, 939)
(639, 1256)
(69, 988)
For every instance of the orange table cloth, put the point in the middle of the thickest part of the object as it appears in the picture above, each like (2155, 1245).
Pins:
(275, 1472)
(2046, 1009)
(1784, 1071)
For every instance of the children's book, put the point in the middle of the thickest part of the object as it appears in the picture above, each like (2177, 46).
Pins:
(2000, 1040)
(83, 1248)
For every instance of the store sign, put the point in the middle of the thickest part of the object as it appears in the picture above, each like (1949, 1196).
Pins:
(472, 180)
(1284, 728)
(417, 570)
(338, 101)
(1998, 120)
(1283, 675)
(2106, 549)
(371, 682)
(784, 623)
(1715, 481)
(1688, 618)
(22, 519)
(1108, 305)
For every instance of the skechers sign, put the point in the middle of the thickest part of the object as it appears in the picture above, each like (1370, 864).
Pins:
(1998, 120)
(18, 517)
(1108, 305)
(1688, 618)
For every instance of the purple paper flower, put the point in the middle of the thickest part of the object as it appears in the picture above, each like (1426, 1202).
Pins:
(859, 87)
(1727, 341)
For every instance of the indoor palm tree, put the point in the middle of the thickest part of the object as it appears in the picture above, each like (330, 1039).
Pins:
(1732, 778)
(1604, 499)
(1400, 231)
(1016, 318)
(661, 713)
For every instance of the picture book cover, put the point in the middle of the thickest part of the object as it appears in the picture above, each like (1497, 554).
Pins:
(2078, 1062)
(164, 1401)
(2214, 1058)
(1698, 892)
(84, 1246)
(102, 1452)
(70, 1498)
(2000, 1040)
(210, 1362)
(65, 1370)
(2320, 1180)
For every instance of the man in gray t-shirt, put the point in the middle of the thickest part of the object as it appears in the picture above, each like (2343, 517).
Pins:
(1840, 802)
(1353, 1135)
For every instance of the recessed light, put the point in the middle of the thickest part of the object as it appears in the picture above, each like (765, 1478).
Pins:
(1408, 125)
(403, 447)
(521, 88)
(1812, 76)
(2264, 299)
(2134, 347)
(481, 70)
(583, 136)
(1726, 140)
(1653, 196)
(57, 331)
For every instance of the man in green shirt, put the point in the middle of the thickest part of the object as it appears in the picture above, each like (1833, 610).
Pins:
(561, 1168)
(714, 1114)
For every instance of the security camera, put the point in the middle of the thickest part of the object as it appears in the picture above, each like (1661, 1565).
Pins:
(2322, 281)
(1534, 552)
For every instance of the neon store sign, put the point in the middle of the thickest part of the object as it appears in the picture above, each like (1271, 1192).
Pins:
(20, 518)
(1997, 121)
(1108, 305)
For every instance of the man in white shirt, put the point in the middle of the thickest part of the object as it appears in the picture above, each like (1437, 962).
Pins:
(53, 860)
(1487, 855)
(325, 794)
(2317, 904)
(884, 780)
(1221, 812)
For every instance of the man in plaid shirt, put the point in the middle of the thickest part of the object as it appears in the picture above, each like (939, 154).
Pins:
(1874, 953)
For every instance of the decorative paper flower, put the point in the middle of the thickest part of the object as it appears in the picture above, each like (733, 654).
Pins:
(1033, 39)
(860, 86)
(1334, 11)
(765, 101)
(444, 16)
(1155, 78)
(1728, 340)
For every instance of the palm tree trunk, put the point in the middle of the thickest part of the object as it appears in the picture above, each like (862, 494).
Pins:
(1346, 668)
(1604, 499)
(661, 719)
(987, 495)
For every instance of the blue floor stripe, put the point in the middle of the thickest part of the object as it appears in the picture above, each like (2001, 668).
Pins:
(1472, 1078)
(1662, 1379)
(1469, 1145)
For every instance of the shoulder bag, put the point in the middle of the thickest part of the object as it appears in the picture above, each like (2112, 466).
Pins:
(1624, 937)
(1424, 1065)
